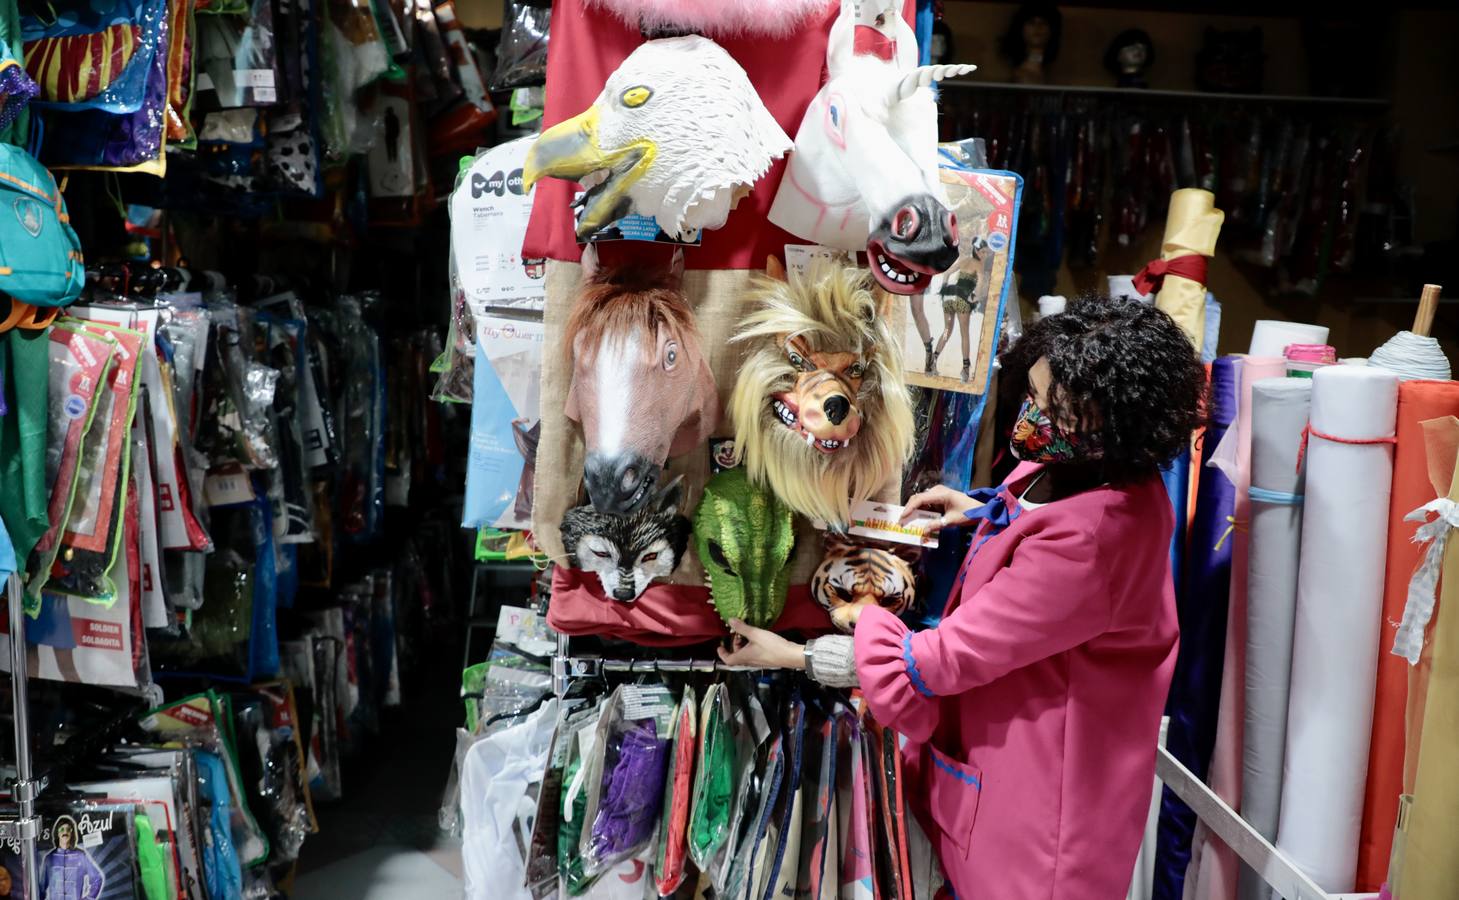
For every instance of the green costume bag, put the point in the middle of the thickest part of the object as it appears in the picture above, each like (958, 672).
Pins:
(24, 364)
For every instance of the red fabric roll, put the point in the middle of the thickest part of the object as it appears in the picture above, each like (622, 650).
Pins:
(665, 615)
(1417, 401)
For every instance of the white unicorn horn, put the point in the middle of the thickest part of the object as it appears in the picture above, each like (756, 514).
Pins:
(922, 76)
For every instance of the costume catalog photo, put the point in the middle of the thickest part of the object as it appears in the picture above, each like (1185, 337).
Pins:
(781, 450)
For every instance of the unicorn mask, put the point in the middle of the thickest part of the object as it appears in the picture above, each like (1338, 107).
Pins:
(641, 387)
(864, 172)
(678, 133)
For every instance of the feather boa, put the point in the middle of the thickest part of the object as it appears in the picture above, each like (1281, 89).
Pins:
(716, 18)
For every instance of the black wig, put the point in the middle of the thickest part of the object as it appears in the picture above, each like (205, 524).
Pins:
(1012, 43)
(1122, 368)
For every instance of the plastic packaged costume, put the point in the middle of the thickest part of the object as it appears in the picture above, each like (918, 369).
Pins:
(495, 777)
(626, 778)
(672, 855)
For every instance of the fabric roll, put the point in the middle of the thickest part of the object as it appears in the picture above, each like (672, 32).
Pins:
(1270, 337)
(1412, 488)
(1192, 225)
(1215, 862)
(1195, 688)
(1349, 458)
(1430, 867)
(1279, 408)
(1176, 475)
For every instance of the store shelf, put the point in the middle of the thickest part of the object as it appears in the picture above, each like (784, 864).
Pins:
(1256, 851)
(1150, 94)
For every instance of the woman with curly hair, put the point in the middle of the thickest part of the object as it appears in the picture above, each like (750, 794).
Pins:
(1032, 710)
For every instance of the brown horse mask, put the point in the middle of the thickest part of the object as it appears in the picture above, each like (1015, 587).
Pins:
(641, 387)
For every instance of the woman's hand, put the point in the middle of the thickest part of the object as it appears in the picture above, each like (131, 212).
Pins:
(757, 648)
(955, 506)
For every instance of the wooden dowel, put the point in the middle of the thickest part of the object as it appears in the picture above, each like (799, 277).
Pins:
(1428, 303)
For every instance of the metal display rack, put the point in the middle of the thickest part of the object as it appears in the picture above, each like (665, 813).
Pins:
(25, 827)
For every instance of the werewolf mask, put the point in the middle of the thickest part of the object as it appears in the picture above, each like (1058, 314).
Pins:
(820, 406)
(853, 575)
(628, 552)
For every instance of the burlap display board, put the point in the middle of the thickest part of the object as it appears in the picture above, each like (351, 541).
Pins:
(719, 299)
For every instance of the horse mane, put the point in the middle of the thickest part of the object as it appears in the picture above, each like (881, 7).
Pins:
(619, 299)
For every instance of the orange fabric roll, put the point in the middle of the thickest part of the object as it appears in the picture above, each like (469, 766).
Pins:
(1412, 488)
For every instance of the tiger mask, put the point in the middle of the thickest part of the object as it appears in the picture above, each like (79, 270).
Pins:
(857, 575)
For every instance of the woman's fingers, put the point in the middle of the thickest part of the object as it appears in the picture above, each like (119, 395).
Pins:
(921, 500)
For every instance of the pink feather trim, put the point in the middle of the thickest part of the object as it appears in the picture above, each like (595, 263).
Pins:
(715, 18)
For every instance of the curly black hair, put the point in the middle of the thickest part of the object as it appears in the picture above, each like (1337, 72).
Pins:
(1122, 367)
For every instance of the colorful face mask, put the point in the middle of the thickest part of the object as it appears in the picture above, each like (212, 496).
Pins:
(1036, 438)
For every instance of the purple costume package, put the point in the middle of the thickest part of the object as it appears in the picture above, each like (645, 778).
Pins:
(635, 760)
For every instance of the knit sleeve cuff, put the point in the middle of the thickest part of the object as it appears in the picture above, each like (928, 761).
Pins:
(889, 675)
(833, 661)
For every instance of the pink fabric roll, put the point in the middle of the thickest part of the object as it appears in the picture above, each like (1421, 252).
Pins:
(1213, 865)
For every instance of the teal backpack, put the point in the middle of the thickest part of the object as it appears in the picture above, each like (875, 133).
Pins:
(40, 254)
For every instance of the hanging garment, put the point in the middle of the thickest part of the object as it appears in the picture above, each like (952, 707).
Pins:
(1035, 618)
(714, 784)
(495, 777)
(23, 382)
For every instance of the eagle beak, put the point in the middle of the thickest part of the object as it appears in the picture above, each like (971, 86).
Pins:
(570, 150)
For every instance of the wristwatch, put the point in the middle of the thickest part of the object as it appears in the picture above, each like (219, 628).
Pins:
(809, 655)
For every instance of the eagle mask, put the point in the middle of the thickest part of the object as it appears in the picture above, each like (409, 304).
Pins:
(820, 405)
(678, 133)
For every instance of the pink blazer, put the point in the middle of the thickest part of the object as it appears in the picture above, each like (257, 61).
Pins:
(1032, 712)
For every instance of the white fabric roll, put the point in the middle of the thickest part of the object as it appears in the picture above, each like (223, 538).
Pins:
(1339, 612)
(1271, 336)
(1279, 408)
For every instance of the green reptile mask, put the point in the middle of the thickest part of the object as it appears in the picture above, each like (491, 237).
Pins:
(744, 536)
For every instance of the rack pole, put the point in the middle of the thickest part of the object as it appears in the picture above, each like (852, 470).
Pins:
(27, 824)
(1428, 303)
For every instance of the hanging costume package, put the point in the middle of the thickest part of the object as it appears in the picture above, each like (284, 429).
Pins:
(157, 794)
(316, 424)
(84, 849)
(819, 858)
(674, 825)
(752, 759)
(767, 782)
(79, 361)
(522, 53)
(857, 874)
(504, 416)
(182, 341)
(17, 88)
(80, 641)
(776, 871)
(489, 212)
(237, 64)
(542, 861)
(93, 531)
(200, 721)
(714, 773)
(580, 749)
(112, 43)
(625, 804)
(495, 779)
(293, 511)
(967, 301)
(132, 141)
